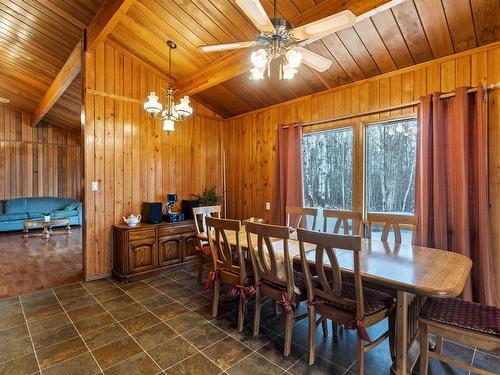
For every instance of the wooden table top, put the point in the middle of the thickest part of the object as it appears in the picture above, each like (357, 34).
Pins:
(43, 223)
(414, 269)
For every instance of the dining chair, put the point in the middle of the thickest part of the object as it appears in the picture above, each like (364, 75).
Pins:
(228, 264)
(299, 216)
(345, 303)
(273, 273)
(394, 222)
(341, 221)
(203, 251)
(467, 323)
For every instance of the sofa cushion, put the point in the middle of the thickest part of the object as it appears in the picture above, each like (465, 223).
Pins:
(16, 206)
(73, 206)
(64, 213)
(47, 204)
(35, 215)
(11, 217)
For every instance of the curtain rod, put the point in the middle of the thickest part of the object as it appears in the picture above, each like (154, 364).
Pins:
(391, 108)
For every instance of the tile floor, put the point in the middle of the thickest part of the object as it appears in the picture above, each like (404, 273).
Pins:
(162, 325)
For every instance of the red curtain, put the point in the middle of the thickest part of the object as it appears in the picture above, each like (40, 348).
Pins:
(452, 185)
(288, 190)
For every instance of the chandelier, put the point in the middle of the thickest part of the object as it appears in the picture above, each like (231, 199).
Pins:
(172, 112)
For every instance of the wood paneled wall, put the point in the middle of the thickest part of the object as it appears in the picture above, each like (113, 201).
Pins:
(35, 162)
(250, 138)
(130, 155)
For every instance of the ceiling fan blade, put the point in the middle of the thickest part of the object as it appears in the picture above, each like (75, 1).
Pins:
(314, 60)
(255, 12)
(4, 100)
(226, 46)
(325, 26)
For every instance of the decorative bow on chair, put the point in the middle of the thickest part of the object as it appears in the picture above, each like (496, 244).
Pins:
(243, 292)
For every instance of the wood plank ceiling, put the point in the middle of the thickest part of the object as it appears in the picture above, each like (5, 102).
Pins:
(37, 36)
(410, 33)
(36, 39)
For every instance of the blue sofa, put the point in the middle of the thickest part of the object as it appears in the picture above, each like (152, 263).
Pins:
(13, 212)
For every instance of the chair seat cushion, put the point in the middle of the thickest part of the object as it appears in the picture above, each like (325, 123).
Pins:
(374, 300)
(462, 314)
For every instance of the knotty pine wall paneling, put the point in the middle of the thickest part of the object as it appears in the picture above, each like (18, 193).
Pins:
(251, 137)
(129, 154)
(37, 162)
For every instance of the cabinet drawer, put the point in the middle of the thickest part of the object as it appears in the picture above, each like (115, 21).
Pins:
(137, 235)
(169, 231)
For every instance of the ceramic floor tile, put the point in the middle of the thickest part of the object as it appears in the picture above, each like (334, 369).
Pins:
(185, 322)
(78, 303)
(254, 342)
(227, 352)
(43, 312)
(144, 293)
(320, 367)
(169, 311)
(55, 321)
(15, 349)
(139, 322)
(254, 364)
(204, 336)
(11, 321)
(108, 295)
(63, 351)
(128, 311)
(115, 352)
(197, 364)
(12, 334)
(85, 312)
(53, 336)
(118, 303)
(140, 364)
(273, 351)
(104, 336)
(171, 352)
(155, 302)
(94, 322)
(25, 365)
(81, 365)
(154, 335)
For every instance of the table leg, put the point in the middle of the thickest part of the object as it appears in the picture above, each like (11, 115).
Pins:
(68, 229)
(25, 232)
(401, 333)
(46, 232)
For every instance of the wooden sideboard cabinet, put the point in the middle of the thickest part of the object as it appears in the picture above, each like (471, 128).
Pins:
(148, 248)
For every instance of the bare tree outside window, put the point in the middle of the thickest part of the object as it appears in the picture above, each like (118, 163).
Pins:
(390, 166)
(327, 162)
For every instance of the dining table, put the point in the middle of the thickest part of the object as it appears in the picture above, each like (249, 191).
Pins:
(412, 272)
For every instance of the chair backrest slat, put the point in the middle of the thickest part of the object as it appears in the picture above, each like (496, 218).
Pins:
(262, 240)
(200, 214)
(394, 222)
(301, 213)
(330, 290)
(220, 247)
(341, 218)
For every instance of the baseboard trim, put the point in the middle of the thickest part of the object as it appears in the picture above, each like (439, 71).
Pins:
(98, 276)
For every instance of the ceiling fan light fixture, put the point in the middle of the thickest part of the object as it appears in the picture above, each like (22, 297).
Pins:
(257, 74)
(254, 10)
(294, 58)
(289, 72)
(259, 58)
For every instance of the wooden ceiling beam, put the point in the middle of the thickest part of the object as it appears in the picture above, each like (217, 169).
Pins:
(106, 18)
(238, 62)
(66, 75)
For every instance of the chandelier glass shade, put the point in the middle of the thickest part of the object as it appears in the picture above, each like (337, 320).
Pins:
(171, 112)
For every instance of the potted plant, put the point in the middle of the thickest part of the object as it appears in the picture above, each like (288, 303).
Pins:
(209, 197)
(46, 216)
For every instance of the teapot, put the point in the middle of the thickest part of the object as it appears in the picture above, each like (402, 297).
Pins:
(132, 220)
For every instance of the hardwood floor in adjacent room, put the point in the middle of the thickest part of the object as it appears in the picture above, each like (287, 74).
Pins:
(31, 264)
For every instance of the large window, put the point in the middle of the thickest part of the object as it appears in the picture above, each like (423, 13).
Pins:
(390, 166)
(327, 169)
(363, 167)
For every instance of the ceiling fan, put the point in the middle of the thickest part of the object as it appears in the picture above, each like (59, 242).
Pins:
(4, 100)
(279, 39)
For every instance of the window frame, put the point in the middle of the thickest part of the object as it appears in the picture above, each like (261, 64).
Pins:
(359, 162)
